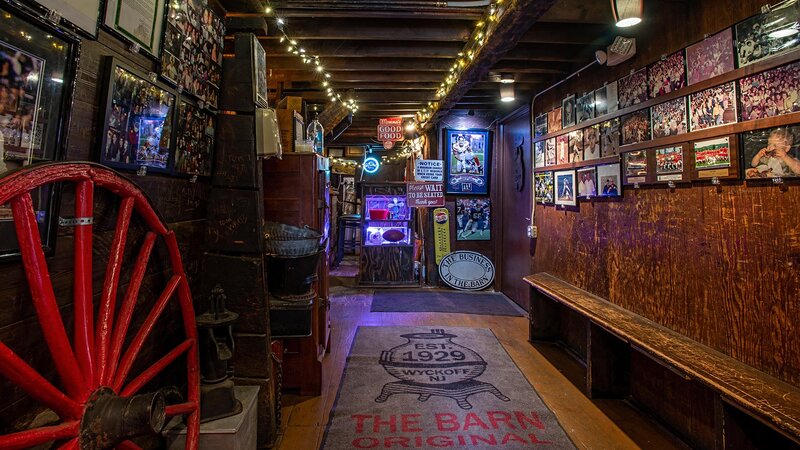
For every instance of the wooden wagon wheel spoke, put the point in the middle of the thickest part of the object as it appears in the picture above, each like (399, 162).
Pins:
(181, 409)
(82, 258)
(151, 372)
(38, 436)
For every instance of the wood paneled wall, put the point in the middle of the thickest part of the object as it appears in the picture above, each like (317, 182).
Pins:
(182, 204)
(718, 264)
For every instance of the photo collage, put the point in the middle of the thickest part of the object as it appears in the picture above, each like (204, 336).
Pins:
(20, 91)
(194, 146)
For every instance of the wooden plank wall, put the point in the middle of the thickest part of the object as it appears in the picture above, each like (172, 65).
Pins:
(716, 264)
(182, 204)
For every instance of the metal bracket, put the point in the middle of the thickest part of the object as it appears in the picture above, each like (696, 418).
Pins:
(134, 48)
(153, 76)
(75, 221)
(777, 180)
(636, 185)
(671, 185)
(142, 171)
(54, 16)
(193, 179)
(715, 181)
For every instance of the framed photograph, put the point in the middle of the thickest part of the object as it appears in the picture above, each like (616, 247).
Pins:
(550, 152)
(771, 153)
(472, 219)
(610, 138)
(260, 90)
(540, 125)
(605, 99)
(562, 149)
(538, 151)
(554, 120)
(83, 15)
(194, 144)
(609, 180)
(587, 182)
(635, 167)
(771, 93)
(543, 187)
(768, 34)
(591, 143)
(670, 164)
(713, 107)
(335, 152)
(633, 88)
(585, 107)
(710, 57)
(565, 188)
(712, 154)
(669, 118)
(667, 75)
(568, 112)
(636, 127)
(353, 150)
(576, 146)
(138, 120)
(468, 161)
(140, 22)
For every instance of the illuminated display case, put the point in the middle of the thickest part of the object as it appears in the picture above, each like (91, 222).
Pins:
(388, 236)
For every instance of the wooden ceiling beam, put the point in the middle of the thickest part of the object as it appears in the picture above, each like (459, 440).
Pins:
(387, 11)
(367, 48)
(565, 33)
(292, 62)
(308, 75)
(379, 29)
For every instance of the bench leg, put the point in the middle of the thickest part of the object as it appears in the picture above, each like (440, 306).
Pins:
(608, 364)
(545, 317)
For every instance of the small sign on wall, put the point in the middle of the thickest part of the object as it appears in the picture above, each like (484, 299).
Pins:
(466, 271)
(430, 170)
(425, 195)
(441, 233)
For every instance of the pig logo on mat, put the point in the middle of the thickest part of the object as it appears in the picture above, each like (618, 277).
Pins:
(431, 364)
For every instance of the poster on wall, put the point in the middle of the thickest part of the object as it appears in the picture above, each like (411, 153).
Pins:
(543, 187)
(139, 21)
(767, 34)
(772, 153)
(83, 14)
(194, 145)
(468, 161)
(472, 219)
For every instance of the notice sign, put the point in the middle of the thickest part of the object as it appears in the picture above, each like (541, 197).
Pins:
(390, 130)
(425, 195)
(430, 170)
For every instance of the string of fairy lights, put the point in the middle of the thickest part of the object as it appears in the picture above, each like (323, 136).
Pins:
(294, 47)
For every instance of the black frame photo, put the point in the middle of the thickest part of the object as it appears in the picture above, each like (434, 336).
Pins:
(194, 140)
(669, 118)
(543, 188)
(633, 89)
(587, 182)
(711, 57)
(82, 16)
(609, 180)
(137, 120)
(568, 112)
(713, 107)
(584, 107)
(771, 153)
(540, 125)
(473, 219)
(667, 75)
(757, 37)
(605, 99)
(765, 94)
(468, 156)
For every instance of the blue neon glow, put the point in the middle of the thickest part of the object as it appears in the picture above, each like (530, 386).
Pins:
(371, 164)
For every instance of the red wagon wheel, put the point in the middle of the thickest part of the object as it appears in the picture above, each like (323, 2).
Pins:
(101, 406)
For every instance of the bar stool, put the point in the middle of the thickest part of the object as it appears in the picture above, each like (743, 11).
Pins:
(348, 226)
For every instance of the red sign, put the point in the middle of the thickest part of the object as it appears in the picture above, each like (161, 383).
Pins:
(390, 129)
(425, 195)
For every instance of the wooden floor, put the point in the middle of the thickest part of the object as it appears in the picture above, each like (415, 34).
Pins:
(607, 424)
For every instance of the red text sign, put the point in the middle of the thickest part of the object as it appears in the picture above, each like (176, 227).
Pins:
(390, 129)
(425, 195)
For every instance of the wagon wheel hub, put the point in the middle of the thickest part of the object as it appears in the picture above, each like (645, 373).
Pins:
(110, 419)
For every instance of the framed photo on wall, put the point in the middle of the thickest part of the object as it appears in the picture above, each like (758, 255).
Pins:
(140, 22)
(550, 152)
(669, 118)
(259, 73)
(771, 93)
(767, 34)
(194, 144)
(591, 142)
(670, 164)
(710, 57)
(554, 120)
(633, 88)
(610, 137)
(562, 149)
(543, 187)
(565, 188)
(605, 99)
(468, 155)
(587, 182)
(37, 69)
(576, 146)
(472, 219)
(716, 158)
(84, 15)
(636, 127)
(540, 125)
(585, 107)
(713, 107)
(538, 154)
(635, 167)
(609, 180)
(137, 122)
(568, 112)
(771, 153)
(667, 75)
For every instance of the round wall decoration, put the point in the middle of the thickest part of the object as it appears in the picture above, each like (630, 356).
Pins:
(466, 271)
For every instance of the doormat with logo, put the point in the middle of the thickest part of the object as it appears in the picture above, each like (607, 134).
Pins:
(429, 300)
(426, 388)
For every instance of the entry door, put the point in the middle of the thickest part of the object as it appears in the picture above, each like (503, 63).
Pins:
(515, 188)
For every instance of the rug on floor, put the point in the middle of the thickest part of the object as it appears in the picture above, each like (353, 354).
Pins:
(429, 300)
(429, 387)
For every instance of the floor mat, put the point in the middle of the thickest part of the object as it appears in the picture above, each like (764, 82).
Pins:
(429, 300)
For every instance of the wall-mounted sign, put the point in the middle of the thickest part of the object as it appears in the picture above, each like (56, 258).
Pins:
(468, 156)
(390, 129)
(371, 164)
(425, 195)
(466, 271)
(429, 170)
(441, 233)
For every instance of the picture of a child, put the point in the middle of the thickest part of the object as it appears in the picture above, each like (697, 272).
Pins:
(776, 159)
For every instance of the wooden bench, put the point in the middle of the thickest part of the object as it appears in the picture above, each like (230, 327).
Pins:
(744, 399)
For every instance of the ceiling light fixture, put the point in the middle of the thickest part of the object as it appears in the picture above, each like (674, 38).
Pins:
(507, 93)
(507, 78)
(627, 13)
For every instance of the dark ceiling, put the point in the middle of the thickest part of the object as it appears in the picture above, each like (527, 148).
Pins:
(391, 56)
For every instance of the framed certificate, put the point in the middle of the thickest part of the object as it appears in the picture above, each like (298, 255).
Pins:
(139, 21)
(82, 14)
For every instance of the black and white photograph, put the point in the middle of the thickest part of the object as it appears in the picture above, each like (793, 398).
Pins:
(772, 153)
(771, 93)
(609, 180)
(543, 187)
(473, 219)
(568, 112)
(767, 34)
(713, 107)
(633, 88)
(576, 146)
(584, 108)
(540, 125)
(636, 127)
(591, 143)
(667, 75)
(562, 149)
(565, 188)
(610, 138)
(587, 182)
(710, 57)
(605, 99)
(669, 118)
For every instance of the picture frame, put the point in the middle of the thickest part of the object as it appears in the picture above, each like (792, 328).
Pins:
(568, 112)
(633, 89)
(771, 153)
(543, 188)
(194, 140)
(635, 164)
(606, 100)
(539, 154)
(37, 94)
(137, 120)
(335, 152)
(591, 143)
(669, 118)
(584, 107)
(550, 152)
(472, 219)
(756, 37)
(670, 164)
(468, 161)
(554, 121)
(141, 26)
(636, 127)
(576, 146)
(540, 125)
(711, 57)
(82, 16)
(260, 90)
(713, 107)
(610, 137)
(667, 75)
(565, 194)
(562, 149)
(769, 94)
(714, 158)
(354, 150)
(609, 180)
(587, 182)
